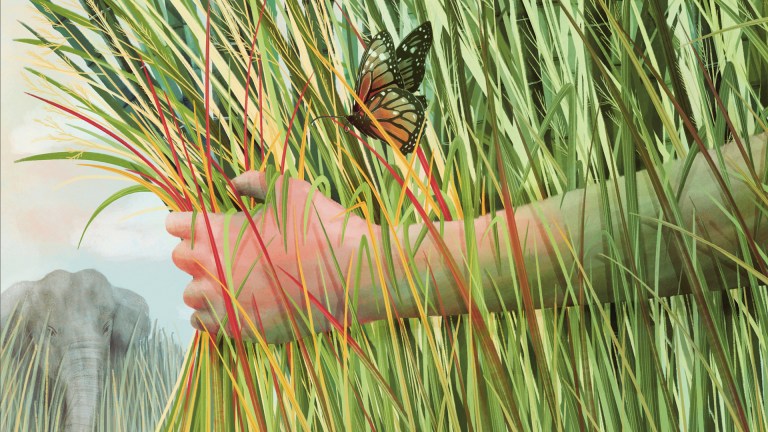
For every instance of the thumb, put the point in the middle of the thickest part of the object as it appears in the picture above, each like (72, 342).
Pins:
(179, 224)
(186, 224)
(252, 184)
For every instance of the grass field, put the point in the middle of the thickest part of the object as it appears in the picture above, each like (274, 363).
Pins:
(526, 100)
(133, 398)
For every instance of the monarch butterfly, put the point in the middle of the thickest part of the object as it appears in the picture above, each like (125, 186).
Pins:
(386, 80)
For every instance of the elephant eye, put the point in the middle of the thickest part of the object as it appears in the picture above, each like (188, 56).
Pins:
(51, 331)
(107, 327)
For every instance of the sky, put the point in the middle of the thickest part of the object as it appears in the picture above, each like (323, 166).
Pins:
(44, 206)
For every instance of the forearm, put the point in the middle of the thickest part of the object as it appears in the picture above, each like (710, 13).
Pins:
(566, 241)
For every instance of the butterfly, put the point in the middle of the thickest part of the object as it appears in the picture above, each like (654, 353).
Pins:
(386, 80)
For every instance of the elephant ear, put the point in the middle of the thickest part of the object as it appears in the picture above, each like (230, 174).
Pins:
(131, 323)
(11, 301)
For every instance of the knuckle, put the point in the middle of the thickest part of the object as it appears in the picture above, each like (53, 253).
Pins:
(249, 333)
(176, 221)
(182, 257)
(195, 321)
(200, 227)
(298, 185)
(202, 322)
(191, 297)
(228, 331)
(212, 327)
(179, 253)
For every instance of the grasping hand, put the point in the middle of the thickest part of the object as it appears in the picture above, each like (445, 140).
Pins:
(301, 254)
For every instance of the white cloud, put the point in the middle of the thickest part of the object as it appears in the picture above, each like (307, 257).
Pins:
(50, 210)
(121, 233)
(37, 133)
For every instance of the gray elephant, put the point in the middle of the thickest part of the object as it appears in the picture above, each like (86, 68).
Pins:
(87, 321)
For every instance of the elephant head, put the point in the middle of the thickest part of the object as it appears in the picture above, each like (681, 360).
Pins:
(87, 322)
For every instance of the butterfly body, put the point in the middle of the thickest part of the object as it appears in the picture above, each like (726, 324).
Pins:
(386, 80)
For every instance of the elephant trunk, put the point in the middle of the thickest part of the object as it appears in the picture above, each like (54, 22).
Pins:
(82, 372)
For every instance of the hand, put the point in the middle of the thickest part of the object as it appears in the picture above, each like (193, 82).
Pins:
(271, 293)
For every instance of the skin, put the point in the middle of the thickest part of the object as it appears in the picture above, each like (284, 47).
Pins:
(542, 227)
(261, 296)
(84, 320)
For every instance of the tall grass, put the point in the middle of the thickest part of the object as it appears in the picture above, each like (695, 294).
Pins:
(134, 393)
(527, 100)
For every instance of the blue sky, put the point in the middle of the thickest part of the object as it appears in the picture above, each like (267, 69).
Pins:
(45, 205)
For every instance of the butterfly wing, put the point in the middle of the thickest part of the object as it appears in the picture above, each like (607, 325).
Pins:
(378, 69)
(412, 56)
(399, 112)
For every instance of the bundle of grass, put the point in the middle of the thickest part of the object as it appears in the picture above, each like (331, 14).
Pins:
(526, 101)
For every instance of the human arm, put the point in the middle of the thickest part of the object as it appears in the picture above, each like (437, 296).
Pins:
(557, 231)
(312, 258)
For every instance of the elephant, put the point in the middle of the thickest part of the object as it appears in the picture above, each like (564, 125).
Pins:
(87, 324)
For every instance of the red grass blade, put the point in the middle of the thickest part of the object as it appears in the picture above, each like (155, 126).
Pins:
(165, 124)
(207, 90)
(189, 206)
(246, 147)
(433, 183)
(290, 123)
(389, 168)
(497, 371)
(261, 107)
(351, 25)
(326, 313)
(153, 180)
(114, 136)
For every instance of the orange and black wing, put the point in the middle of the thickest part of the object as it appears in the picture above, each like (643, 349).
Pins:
(400, 114)
(378, 69)
(412, 56)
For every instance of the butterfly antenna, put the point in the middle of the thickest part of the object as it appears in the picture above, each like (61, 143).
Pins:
(327, 116)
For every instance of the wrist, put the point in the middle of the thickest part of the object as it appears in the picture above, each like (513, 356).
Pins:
(382, 286)
(360, 273)
(426, 262)
(430, 277)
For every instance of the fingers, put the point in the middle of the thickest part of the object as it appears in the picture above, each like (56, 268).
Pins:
(252, 183)
(184, 258)
(179, 224)
(205, 322)
(211, 320)
(202, 295)
(210, 314)
(255, 184)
